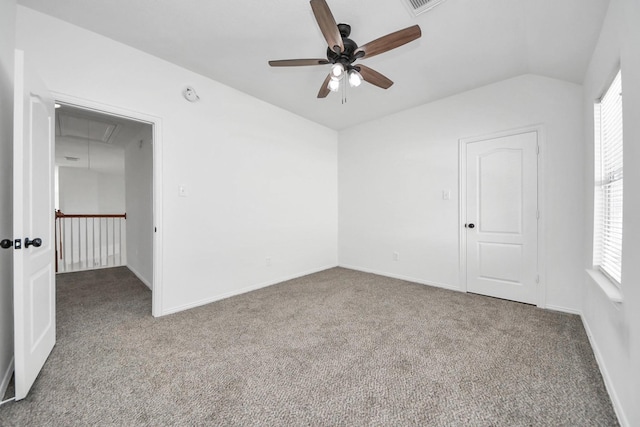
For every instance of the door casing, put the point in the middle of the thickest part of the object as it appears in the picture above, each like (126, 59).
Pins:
(462, 202)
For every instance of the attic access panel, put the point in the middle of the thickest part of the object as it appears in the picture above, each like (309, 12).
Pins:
(77, 127)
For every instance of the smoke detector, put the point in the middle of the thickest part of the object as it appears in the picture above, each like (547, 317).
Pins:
(421, 6)
(190, 94)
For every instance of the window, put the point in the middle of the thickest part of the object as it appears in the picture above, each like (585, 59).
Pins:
(608, 185)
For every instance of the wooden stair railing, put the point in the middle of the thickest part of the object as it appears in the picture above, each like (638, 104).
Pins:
(69, 230)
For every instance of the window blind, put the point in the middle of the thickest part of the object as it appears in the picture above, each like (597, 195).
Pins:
(611, 180)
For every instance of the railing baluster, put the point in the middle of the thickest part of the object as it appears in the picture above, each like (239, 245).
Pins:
(100, 228)
(113, 241)
(86, 243)
(72, 243)
(93, 242)
(120, 242)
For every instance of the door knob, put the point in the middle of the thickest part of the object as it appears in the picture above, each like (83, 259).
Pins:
(6, 244)
(471, 225)
(37, 242)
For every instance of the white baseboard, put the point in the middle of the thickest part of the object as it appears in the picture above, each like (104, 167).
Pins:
(6, 378)
(563, 309)
(608, 383)
(139, 276)
(401, 277)
(244, 290)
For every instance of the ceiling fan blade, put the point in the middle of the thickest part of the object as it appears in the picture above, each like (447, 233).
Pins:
(390, 41)
(375, 78)
(324, 89)
(327, 25)
(297, 62)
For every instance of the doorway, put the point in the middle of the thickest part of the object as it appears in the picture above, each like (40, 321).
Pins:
(103, 169)
(499, 238)
(139, 137)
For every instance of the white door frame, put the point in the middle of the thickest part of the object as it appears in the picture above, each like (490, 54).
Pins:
(156, 122)
(462, 203)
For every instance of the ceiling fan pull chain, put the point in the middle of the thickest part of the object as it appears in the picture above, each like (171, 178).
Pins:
(344, 92)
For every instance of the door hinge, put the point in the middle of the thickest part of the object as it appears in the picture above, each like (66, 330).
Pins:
(537, 278)
(537, 214)
(537, 149)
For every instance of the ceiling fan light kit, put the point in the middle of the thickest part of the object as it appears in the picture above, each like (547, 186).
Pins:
(342, 52)
(355, 78)
(337, 70)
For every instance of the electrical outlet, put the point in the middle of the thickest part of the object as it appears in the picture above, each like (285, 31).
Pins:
(267, 261)
(182, 191)
(396, 256)
(446, 194)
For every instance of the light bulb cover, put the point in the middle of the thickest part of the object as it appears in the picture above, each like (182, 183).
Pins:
(337, 70)
(355, 79)
(334, 85)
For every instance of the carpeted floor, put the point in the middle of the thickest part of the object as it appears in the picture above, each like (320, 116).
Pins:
(339, 347)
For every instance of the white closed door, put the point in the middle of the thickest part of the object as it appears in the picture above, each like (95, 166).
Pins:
(501, 217)
(33, 260)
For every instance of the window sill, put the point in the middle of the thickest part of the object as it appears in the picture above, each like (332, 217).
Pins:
(611, 291)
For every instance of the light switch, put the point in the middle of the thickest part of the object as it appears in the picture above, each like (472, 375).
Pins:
(182, 191)
(446, 194)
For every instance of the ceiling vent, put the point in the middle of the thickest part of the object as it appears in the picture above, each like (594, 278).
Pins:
(421, 6)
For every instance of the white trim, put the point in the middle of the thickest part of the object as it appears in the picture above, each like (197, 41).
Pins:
(462, 209)
(542, 236)
(242, 291)
(140, 277)
(156, 123)
(6, 378)
(157, 286)
(563, 309)
(462, 193)
(606, 285)
(608, 383)
(401, 277)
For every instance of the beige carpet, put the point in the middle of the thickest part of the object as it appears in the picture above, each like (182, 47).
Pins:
(337, 348)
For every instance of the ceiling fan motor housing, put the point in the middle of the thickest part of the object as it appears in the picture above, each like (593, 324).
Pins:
(346, 57)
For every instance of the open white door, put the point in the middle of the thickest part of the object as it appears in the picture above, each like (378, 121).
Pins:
(33, 260)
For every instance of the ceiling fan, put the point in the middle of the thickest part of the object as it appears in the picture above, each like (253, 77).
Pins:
(343, 52)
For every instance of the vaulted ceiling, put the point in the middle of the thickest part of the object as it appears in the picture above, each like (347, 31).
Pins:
(465, 44)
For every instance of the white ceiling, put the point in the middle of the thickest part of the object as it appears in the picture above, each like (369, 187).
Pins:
(465, 44)
(93, 140)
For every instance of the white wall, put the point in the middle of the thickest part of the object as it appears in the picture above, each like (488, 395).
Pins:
(392, 173)
(615, 328)
(83, 191)
(138, 159)
(261, 181)
(7, 38)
